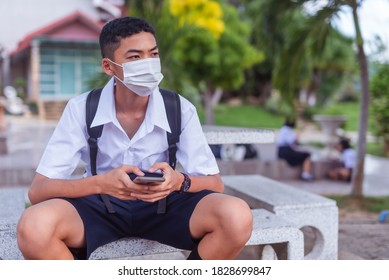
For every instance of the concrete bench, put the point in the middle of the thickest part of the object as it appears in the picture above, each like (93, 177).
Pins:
(12, 205)
(310, 212)
(269, 165)
(268, 229)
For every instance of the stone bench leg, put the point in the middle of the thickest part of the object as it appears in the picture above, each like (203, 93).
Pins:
(270, 229)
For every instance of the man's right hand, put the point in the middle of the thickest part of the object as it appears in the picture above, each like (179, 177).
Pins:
(117, 183)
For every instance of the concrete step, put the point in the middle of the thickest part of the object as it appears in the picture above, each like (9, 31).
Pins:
(52, 110)
(16, 177)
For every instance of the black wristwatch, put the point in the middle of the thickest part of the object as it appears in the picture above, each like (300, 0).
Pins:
(186, 184)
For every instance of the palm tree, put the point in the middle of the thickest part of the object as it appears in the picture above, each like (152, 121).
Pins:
(315, 32)
(357, 189)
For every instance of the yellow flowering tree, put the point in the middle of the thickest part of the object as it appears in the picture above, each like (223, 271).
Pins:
(206, 14)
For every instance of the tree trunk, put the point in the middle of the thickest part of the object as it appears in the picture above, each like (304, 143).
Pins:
(211, 99)
(357, 183)
(313, 86)
(209, 119)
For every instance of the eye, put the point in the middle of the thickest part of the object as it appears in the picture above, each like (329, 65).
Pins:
(133, 57)
(155, 54)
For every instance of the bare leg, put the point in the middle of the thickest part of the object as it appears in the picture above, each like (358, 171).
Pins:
(224, 223)
(307, 165)
(344, 173)
(339, 173)
(47, 229)
(333, 174)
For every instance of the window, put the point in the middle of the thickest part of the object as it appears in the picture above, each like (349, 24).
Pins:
(65, 72)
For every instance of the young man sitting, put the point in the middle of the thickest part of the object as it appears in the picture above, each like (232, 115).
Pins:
(68, 217)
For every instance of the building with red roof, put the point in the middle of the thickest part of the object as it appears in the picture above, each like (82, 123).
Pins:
(56, 61)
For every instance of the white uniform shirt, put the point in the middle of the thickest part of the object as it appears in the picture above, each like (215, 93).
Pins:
(349, 158)
(286, 137)
(68, 144)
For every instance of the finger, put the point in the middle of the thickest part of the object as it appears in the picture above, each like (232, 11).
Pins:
(132, 169)
(164, 166)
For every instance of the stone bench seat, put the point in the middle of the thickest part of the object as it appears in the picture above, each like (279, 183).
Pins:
(306, 210)
(268, 229)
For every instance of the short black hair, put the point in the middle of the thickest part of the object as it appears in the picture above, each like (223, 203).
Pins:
(117, 29)
(290, 121)
(345, 143)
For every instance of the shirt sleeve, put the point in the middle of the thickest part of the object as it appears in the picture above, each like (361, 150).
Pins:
(63, 151)
(194, 153)
(349, 158)
(286, 137)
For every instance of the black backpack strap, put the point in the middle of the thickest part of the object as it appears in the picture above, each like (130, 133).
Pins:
(173, 112)
(92, 102)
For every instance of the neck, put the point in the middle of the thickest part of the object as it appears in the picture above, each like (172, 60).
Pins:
(127, 101)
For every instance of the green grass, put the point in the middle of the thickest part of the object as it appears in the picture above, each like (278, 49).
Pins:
(350, 110)
(253, 116)
(376, 149)
(368, 204)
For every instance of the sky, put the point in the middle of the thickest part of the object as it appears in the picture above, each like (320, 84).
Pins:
(374, 20)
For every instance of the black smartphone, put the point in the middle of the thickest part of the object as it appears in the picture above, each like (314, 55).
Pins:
(148, 178)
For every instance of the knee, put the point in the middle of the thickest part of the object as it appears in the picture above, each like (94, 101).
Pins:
(238, 220)
(31, 231)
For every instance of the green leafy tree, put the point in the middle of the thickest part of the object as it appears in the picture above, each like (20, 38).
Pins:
(380, 103)
(217, 63)
(302, 58)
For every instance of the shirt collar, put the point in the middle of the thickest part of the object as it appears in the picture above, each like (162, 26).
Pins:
(156, 112)
(106, 112)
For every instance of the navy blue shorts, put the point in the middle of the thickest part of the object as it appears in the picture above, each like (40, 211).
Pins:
(137, 219)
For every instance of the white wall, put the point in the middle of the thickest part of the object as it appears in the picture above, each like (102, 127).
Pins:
(20, 17)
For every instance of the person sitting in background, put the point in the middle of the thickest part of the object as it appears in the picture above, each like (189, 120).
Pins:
(287, 145)
(348, 158)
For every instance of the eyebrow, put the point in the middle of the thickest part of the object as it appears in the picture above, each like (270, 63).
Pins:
(139, 51)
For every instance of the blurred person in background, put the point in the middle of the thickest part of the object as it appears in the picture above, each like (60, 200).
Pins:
(289, 150)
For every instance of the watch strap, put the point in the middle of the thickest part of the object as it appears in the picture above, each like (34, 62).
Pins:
(185, 186)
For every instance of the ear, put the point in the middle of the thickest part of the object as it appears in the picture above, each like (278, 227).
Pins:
(107, 67)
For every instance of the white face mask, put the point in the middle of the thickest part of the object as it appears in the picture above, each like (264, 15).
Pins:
(141, 76)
